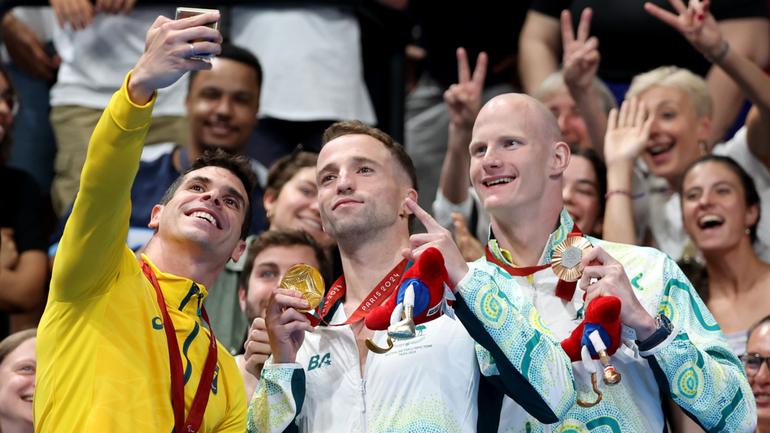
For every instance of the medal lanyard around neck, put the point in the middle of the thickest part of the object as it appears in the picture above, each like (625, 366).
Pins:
(564, 289)
(198, 408)
(382, 291)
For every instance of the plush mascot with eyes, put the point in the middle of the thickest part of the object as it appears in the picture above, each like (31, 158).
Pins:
(427, 278)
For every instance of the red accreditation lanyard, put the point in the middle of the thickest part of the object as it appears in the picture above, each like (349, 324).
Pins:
(201, 399)
(564, 289)
(375, 298)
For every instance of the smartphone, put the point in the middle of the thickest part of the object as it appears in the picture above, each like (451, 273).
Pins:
(185, 12)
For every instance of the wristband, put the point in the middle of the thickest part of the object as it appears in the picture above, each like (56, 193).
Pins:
(624, 192)
(720, 55)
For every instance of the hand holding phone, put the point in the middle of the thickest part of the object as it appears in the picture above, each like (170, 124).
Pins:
(185, 12)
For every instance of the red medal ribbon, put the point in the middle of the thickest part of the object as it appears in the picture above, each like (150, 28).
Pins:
(564, 289)
(201, 399)
(375, 298)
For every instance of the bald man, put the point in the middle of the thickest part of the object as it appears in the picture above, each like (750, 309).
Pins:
(672, 345)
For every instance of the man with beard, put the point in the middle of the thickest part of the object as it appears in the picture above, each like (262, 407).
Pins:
(324, 379)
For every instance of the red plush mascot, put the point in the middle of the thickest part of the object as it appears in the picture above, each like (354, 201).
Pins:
(602, 315)
(424, 287)
(597, 336)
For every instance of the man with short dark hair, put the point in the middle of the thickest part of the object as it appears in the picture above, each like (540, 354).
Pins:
(268, 258)
(222, 105)
(324, 379)
(122, 343)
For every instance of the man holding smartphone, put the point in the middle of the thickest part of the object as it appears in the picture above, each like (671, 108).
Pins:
(122, 343)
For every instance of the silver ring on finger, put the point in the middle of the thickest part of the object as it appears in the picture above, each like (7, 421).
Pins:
(192, 49)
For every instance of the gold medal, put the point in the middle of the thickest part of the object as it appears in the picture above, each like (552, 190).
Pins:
(567, 257)
(306, 280)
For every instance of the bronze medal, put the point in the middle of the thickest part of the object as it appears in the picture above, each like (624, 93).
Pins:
(306, 280)
(567, 257)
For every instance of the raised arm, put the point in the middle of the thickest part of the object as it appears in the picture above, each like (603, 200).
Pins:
(580, 65)
(741, 34)
(699, 27)
(539, 46)
(93, 242)
(463, 101)
(627, 132)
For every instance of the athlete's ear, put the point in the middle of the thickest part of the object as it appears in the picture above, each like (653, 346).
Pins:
(559, 158)
(154, 223)
(404, 212)
(238, 250)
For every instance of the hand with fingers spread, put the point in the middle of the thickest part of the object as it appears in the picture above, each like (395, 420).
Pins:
(438, 237)
(257, 347)
(695, 22)
(168, 51)
(469, 246)
(286, 325)
(581, 53)
(611, 279)
(463, 99)
(627, 132)
(78, 14)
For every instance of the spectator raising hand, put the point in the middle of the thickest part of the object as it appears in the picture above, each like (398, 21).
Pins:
(695, 23)
(581, 52)
(628, 131)
(580, 64)
(463, 99)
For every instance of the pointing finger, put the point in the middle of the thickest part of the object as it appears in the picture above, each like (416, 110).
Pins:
(430, 224)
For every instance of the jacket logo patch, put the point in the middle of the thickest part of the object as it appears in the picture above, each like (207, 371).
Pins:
(318, 361)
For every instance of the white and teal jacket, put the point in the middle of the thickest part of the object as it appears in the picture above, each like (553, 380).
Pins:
(431, 383)
(694, 366)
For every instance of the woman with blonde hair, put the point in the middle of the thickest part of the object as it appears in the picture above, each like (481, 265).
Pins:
(17, 381)
(666, 122)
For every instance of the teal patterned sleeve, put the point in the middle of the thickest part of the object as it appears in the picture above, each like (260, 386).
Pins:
(277, 400)
(695, 366)
(514, 348)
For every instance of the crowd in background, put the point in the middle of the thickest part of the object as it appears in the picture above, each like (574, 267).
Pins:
(669, 129)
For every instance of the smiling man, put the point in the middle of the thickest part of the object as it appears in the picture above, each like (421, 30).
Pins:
(325, 379)
(672, 345)
(122, 343)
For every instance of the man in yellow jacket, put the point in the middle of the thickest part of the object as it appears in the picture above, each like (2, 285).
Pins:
(122, 346)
